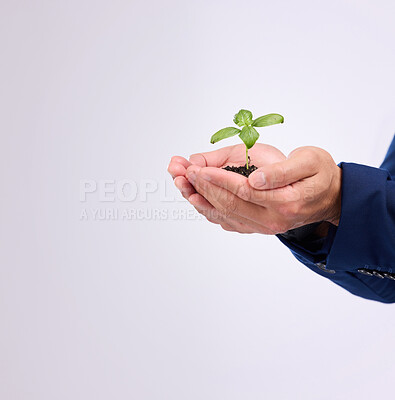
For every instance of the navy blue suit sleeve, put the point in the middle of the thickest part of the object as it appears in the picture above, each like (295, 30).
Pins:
(364, 242)
(389, 159)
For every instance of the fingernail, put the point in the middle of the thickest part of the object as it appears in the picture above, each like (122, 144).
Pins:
(260, 180)
(192, 177)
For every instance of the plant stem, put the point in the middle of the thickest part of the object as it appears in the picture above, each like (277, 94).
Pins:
(247, 157)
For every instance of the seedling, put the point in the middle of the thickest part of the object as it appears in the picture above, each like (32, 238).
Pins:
(248, 134)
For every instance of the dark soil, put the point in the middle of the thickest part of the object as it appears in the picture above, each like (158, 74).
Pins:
(242, 170)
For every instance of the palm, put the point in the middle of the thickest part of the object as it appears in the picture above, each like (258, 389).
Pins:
(260, 155)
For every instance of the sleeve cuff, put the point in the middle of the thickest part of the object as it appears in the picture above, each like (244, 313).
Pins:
(303, 242)
(364, 231)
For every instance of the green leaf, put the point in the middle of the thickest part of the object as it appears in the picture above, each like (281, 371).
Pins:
(269, 119)
(249, 136)
(243, 118)
(223, 134)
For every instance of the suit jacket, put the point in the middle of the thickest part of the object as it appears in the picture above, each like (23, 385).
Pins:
(359, 254)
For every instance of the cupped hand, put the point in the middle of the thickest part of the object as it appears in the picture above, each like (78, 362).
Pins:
(283, 195)
(261, 155)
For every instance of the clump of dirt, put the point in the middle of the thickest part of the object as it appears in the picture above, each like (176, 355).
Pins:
(242, 170)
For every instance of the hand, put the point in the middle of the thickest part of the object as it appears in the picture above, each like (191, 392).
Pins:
(302, 189)
(261, 155)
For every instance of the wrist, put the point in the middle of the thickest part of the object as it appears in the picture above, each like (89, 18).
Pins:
(334, 209)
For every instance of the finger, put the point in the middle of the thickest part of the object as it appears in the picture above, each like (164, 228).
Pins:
(235, 226)
(191, 173)
(248, 213)
(181, 160)
(212, 215)
(175, 170)
(301, 164)
(232, 207)
(215, 158)
(240, 187)
(178, 166)
(184, 187)
(204, 207)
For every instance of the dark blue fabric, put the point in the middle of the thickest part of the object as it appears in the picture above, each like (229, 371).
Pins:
(389, 160)
(365, 237)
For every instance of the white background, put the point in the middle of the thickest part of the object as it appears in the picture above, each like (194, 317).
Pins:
(176, 308)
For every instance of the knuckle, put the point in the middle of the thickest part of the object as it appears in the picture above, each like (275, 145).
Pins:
(244, 228)
(212, 220)
(312, 154)
(227, 227)
(198, 159)
(278, 227)
(285, 196)
(213, 216)
(263, 196)
(279, 176)
(290, 195)
(289, 203)
(289, 210)
(243, 192)
(230, 206)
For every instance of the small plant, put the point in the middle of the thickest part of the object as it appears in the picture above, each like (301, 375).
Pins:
(248, 133)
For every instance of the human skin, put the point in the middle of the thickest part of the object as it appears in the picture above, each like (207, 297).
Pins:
(283, 194)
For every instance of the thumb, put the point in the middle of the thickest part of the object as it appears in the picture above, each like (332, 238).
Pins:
(301, 163)
(215, 158)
